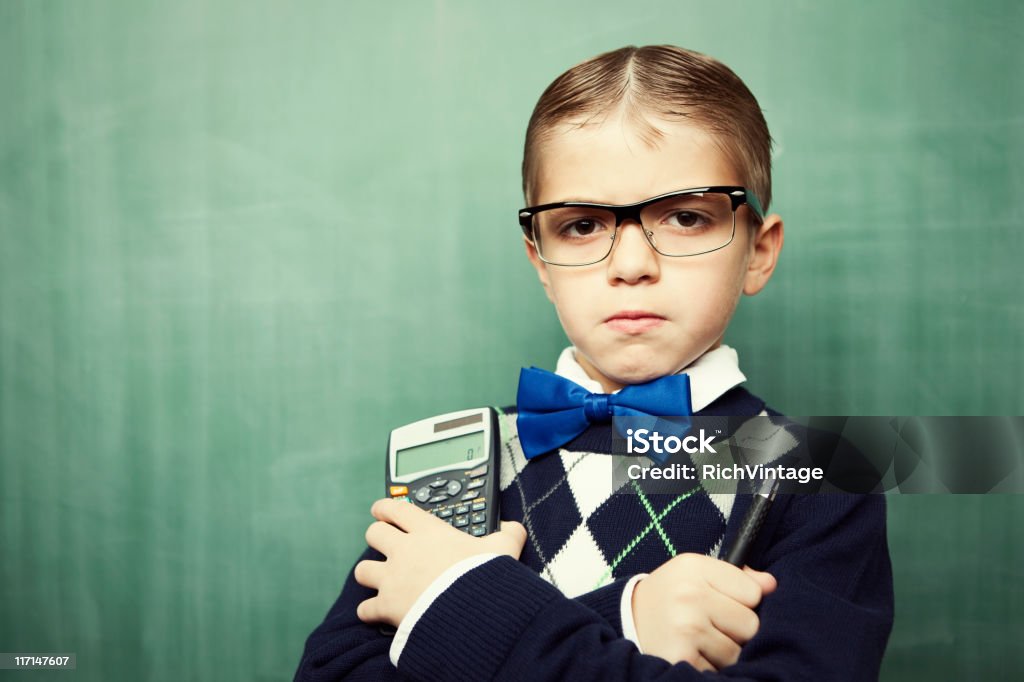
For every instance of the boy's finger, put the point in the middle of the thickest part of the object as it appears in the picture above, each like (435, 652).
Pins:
(702, 664)
(734, 583)
(719, 650)
(732, 618)
(369, 611)
(369, 573)
(383, 537)
(767, 581)
(402, 514)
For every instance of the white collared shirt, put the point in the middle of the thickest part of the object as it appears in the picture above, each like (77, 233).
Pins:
(711, 375)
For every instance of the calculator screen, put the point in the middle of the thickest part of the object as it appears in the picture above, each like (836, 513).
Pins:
(446, 452)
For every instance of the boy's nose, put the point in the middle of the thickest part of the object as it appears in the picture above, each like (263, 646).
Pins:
(632, 258)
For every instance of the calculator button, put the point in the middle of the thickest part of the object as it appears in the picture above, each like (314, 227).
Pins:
(454, 488)
(445, 513)
(423, 494)
(478, 483)
(437, 498)
(461, 521)
(478, 506)
(478, 517)
(470, 495)
(479, 471)
(398, 490)
(477, 531)
(462, 509)
(439, 483)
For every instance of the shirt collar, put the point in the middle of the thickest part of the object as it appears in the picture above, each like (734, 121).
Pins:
(711, 375)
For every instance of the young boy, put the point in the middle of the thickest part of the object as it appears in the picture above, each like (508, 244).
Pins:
(590, 584)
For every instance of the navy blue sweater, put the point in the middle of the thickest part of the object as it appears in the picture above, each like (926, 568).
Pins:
(829, 618)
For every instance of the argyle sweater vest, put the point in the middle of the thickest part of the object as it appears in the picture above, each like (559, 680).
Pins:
(585, 529)
(554, 614)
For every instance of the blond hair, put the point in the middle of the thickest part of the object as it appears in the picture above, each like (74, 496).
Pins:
(666, 81)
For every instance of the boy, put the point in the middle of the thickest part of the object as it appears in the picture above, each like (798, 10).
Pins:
(593, 585)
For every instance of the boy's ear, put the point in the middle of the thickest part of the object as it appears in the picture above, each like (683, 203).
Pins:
(540, 266)
(765, 247)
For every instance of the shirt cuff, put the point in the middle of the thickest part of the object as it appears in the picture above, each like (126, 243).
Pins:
(626, 610)
(433, 591)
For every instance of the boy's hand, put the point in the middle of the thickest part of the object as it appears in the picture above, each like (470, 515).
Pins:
(698, 609)
(418, 547)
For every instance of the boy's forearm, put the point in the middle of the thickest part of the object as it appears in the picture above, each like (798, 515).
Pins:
(345, 648)
(829, 618)
(520, 627)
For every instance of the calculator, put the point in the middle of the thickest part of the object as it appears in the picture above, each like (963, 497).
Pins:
(448, 466)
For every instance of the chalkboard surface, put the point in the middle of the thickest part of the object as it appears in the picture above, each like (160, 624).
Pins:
(243, 240)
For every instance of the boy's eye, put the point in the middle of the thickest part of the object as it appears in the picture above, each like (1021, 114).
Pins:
(687, 219)
(581, 227)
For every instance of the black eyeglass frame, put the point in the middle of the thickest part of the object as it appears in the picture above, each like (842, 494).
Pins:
(737, 195)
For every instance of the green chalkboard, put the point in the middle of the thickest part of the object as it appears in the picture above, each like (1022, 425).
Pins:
(240, 241)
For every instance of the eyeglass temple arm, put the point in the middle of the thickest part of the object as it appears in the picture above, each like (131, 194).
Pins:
(750, 200)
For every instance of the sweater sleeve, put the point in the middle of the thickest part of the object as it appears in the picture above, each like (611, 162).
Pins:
(829, 619)
(345, 648)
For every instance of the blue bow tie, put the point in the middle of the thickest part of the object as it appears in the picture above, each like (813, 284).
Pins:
(554, 410)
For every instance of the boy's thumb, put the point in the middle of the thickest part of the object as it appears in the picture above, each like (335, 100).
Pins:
(767, 581)
(515, 529)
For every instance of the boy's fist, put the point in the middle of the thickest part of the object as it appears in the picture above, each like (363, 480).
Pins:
(418, 547)
(698, 609)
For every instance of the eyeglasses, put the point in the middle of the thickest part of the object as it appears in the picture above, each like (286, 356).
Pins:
(684, 223)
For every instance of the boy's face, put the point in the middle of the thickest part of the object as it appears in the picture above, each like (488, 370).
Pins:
(638, 315)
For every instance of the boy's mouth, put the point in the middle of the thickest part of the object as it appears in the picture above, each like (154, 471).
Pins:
(634, 321)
